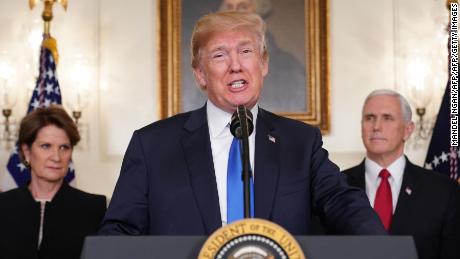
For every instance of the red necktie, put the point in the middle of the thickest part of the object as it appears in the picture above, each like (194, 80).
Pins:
(383, 204)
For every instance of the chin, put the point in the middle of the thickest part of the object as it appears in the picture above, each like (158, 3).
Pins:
(54, 177)
(378, 151)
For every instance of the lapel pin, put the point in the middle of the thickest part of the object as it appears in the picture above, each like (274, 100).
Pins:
(408, 190)
(271, 138)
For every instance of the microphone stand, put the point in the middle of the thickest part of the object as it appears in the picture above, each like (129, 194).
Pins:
(246, 164)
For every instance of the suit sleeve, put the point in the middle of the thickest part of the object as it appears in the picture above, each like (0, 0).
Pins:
(341, 208)
(450, 236)
(128, 210)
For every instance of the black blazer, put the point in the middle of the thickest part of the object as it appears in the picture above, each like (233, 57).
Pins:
(69, 217)
(428, 208)
(167, 184)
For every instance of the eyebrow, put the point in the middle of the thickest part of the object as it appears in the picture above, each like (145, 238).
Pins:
(241, 44)
(374, 114)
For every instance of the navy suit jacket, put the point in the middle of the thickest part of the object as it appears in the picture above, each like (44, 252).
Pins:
(167, 184)
(428, 209)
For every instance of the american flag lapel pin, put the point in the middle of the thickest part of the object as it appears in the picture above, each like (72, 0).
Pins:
(271, 138)
(408, 190)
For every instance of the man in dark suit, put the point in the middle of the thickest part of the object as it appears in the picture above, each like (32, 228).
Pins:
(422, 203)
(173, 180)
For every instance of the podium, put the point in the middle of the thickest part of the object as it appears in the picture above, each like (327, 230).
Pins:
(188, 247)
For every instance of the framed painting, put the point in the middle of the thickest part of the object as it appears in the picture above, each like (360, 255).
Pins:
(297, 84)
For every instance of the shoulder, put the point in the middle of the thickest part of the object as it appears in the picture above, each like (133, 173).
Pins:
(176, 121)
(433, 178)
(13, 195)
(171, 127)
(85, 197)
(353, 170)
(284, 123)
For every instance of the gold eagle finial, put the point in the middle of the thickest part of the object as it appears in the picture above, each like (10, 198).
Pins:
(47, 15)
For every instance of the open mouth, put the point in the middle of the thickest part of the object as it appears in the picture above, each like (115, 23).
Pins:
(237, 84)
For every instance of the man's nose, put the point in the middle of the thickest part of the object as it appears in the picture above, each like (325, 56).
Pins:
(235, 64)
(377, 124)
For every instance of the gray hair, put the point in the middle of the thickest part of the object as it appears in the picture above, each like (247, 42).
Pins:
(405, 107)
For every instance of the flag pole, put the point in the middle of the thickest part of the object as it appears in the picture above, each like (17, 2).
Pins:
(47, 16)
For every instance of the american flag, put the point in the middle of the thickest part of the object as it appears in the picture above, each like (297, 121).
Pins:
(46, 92)
(442, 157)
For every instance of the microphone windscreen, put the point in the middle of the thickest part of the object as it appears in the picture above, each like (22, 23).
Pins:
(235, 125)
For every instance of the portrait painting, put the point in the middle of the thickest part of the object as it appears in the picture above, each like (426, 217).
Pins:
(297, 83)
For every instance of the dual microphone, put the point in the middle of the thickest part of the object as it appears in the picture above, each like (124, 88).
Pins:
(242, 123)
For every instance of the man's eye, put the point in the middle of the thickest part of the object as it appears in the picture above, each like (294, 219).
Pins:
(247, 51)
(368, 118)
(388, 118)
(219, 55)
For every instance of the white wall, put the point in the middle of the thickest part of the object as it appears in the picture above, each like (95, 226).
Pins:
(119, 39)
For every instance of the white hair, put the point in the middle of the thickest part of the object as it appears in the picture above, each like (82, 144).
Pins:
(405, 107)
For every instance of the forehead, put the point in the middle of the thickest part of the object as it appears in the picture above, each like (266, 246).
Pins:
(382, 104)
(229, 38)
(52, 133)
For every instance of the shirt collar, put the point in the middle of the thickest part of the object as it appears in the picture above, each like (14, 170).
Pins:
(218, 119)
(396, 168)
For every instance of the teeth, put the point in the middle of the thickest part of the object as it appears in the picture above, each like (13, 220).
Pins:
(237, 84)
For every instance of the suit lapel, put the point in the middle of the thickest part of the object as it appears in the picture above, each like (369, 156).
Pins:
(198, 155)
(266, 166)
(356, 176)
(406, 197)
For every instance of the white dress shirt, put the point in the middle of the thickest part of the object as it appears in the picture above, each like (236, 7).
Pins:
(221, 140)
(396, 169)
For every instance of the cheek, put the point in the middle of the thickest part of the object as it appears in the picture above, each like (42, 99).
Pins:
(264, 69)
(67, 157)
(365, 130)
(36, 158)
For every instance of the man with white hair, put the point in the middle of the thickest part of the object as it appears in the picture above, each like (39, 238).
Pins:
(409, 200)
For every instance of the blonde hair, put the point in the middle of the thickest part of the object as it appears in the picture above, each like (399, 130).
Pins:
(226, 21)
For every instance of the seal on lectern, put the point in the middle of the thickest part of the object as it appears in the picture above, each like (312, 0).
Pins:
(251, 239)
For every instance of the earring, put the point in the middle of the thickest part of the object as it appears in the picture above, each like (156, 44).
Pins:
(26, 163)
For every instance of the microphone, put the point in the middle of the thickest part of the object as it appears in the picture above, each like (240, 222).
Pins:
(241, 118)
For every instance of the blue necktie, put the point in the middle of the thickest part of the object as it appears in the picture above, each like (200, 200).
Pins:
(235, 193)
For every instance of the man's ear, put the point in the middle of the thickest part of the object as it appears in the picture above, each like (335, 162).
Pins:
(265, 66)
(410, 126)
(200, 77)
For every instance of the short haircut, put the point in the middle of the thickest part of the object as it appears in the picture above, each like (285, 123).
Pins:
(405, 107)
(226, 21)
(39, 118)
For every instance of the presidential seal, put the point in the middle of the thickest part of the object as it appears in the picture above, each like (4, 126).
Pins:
(251, 239)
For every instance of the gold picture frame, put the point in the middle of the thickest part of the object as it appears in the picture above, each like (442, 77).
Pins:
(316, 42)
